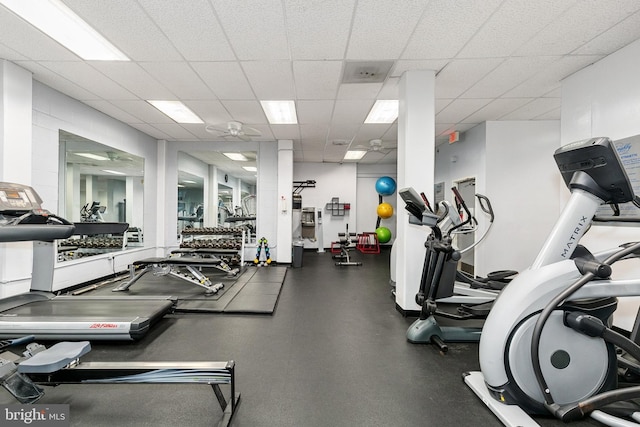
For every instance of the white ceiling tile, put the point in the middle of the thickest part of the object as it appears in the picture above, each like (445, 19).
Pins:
(343, 130)
(125, 24)
(226, 79)
(440, 104)
(390, 89)
(270, 79)
(248, 112)
(371, 131)
(133, 78)
(285, 131)
(375, 20)
(359, 90)
(354, 111)
(255, 28)
(508, 75)
(584, 21)
(550, 115)
(312, 156)
(87, 77)
(533, 109)
(549, 77)
(459, 75)
(316, 79)
(150, 130)
(614, 38)
(180, 78)
(175, 131)
(512, 25)
(11, 55)
(496, 108)
(314, 132)
(193, 30)
(19, 36)
(314, 111)
(447, 26)
(318, 30)
(392, 133)
(211, 112)
(411, 65)
(459, 109)
(145, 112)
(55, 81)
(111, 110)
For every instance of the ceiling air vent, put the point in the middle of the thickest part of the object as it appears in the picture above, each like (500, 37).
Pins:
(366, 71)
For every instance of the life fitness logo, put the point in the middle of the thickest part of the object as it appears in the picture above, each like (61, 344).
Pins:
(103, 326)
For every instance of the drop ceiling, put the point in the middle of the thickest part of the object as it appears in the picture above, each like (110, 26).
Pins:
(495, 60)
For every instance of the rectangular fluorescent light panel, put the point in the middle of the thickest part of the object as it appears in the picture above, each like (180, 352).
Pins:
(188, 181)
(56, 20)
(280, 112)
(113, 172)
(238, 157)
(383, 111)
(177, 111)
(92, 156)
(354, 154)
(250, 168)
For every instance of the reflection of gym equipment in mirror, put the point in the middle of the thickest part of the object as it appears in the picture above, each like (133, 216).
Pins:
(100, 184)
(92, 213)
(195, 217)
(61, 364)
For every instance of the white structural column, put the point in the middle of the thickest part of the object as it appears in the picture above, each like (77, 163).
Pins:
(416, 155)
(16, 113)
(285, 191)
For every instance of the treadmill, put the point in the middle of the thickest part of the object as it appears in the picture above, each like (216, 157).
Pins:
(51, 317)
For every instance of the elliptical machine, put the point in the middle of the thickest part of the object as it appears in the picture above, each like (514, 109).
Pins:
(437, 282)
(547, 346)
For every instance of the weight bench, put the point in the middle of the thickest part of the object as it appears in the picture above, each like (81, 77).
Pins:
(344, 246)
(175, 267)
(210, 253)
(60, 364)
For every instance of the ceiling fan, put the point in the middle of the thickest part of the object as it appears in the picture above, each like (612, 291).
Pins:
(375, 145)
(234, 129)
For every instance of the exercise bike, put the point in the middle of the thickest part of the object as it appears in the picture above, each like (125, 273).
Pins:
(438, 279)
(547, 346)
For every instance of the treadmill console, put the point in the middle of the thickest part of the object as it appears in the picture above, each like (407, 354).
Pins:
(23, 219)
(593, 165)
(17, 198)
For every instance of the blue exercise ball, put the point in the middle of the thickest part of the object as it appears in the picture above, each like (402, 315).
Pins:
(385, 186)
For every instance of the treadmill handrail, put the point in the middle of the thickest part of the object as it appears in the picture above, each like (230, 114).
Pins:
(29, 232)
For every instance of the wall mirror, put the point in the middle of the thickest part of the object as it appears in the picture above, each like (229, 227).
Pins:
(190, 200)
(101, 190)
(228, 195)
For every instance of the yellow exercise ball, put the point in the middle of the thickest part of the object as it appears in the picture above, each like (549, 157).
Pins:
(385, 210)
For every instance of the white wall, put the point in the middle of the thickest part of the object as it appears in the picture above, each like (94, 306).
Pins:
(523, 183)
(604, 100)
(332, 180)
(512, 162)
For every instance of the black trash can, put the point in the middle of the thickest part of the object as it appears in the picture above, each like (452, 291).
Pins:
(298, 251)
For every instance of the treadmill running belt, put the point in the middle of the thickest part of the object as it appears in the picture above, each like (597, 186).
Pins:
(70, 318)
